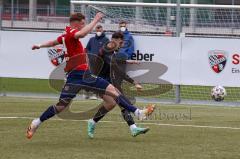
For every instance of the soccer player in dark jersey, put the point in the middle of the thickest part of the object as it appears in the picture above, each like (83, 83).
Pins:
(112, 71)
(78, 74)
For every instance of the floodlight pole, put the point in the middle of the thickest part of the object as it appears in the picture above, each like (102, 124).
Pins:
(178, 19)
(12, 12)
(138, 13)
(72, 9)
(168, 15)
(178, 32)
(1, 10)
(193, 15)
(232, 16)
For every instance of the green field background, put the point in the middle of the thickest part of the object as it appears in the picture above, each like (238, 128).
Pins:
(42, 86)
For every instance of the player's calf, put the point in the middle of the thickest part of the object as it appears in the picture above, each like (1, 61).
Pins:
(47, 114)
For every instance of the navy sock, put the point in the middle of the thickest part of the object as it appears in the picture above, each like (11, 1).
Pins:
(127, 117)
(123, 102)
(102, 111)
(50, 112)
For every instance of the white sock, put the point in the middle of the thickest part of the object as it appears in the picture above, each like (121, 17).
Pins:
(37, 122)
(133, 126)
(91, 120)
(137, 112)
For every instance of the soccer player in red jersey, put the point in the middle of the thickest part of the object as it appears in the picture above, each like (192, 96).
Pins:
(78, 74)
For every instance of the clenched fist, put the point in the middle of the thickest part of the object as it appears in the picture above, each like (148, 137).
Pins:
(34, 47)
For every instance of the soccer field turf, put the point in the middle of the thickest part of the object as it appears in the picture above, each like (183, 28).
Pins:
(41, 86)
(208, 132)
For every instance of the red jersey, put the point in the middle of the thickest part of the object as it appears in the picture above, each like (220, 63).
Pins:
(75, 53)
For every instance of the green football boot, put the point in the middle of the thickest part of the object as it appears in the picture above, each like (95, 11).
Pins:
(137, 131)
(91, 128)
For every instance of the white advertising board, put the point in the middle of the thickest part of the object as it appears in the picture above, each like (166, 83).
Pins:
(189, 61)
(18, 60)
(210, 62)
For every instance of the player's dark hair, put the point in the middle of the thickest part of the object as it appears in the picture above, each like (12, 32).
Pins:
(117, 35)
(98, 26)
(76, 17)
(122, 22)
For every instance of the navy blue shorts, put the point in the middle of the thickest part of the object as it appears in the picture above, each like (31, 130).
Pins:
(78, 80)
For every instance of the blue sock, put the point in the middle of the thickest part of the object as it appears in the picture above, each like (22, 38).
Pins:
(123, 102)
(50, 112)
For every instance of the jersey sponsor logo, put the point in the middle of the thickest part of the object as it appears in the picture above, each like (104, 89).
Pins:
(217, 60)
(56, 55)
(66, 88)
(93, 76)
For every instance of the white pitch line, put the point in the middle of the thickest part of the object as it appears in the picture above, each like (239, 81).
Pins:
(194, 126)
(157, 124)
(15, 117)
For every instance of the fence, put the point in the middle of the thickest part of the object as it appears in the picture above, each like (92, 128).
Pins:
(160, 19)
(151, 18)
(36, 18)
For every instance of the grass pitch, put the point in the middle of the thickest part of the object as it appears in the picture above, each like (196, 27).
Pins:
(26, 85)
(176, 133)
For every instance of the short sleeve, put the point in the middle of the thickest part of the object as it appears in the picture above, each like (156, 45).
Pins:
(73, 32)
(59, 39)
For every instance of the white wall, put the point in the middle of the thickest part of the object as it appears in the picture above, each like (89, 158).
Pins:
(186, 58)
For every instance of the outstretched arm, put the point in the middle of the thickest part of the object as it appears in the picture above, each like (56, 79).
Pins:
(88, 28)
(44, 45)
(119, 72)
(133, 61)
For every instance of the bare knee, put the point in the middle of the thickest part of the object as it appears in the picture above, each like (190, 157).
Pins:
(109, 102)
(108, 106)
(112, 91)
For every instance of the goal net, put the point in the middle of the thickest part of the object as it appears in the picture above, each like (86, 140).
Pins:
(140, 18)
(165, 19)
(162, 18)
